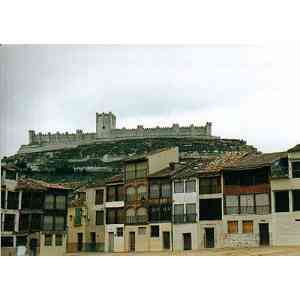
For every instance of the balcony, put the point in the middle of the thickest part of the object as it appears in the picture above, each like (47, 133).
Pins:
(159, 217)
(245, 210)
(184, 218)
(136, 220)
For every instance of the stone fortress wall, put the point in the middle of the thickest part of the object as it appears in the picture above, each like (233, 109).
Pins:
(106, 131)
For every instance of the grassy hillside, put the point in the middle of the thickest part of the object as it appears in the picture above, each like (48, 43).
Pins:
(96, 161)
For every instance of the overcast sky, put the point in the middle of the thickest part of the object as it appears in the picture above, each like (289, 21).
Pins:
(250, 93)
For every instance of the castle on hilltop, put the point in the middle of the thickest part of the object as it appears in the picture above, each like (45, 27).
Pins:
(106, 130)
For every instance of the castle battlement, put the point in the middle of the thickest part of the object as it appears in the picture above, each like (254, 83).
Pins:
(106, 131)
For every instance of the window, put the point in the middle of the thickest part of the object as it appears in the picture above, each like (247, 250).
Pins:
(247, 204)
(142, 193)
(261, 176)
(130, 193)
(77, 220)
(179, 187)
(7, 241)
(178, 213)
(155, 231)
(82, 196)
(48, 222)
(37, 200)
(11, 175)
(12, 200)
(9, 222)
(247, 226)
(232, 178)
(210, 185)
(99, 217)
(26, 200)
(2, 199)
(232, 204)
(99, 197)
(48, 239)
(49, 201)
(154, 191)
(296, 200)
(296, 169)
(60, 202)
(142, 230)
(120, 193)
(24, 222)
(191, 212)
(111, 193)
(120, 231)
(58, 240)
(93, 237)
(21, 241)
(262, 204)
(190, 186)
(166, 191)
(36, 220)
(282, 201)
(141, 170)
(130, 171)
(232, 227)
(59, 223)
(211, 209)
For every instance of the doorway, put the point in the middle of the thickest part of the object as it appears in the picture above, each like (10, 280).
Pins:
(264, 234)
(187, 241)
(33, 244)
(110, 242)
(166, 240)
(209, 238)
(79, 241)
(132, 241)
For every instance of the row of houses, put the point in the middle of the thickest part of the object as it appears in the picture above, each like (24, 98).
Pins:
(159, 203)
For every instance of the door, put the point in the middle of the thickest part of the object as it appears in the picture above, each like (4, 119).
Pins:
(166, 240)
(187, 241)
(110, 242)
(93, 241)
(33, 246)
(209, 238)
(79, 241)
(264, 235)
(132, 241)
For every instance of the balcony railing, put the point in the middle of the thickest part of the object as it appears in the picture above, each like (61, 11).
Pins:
(184, 218)
(244, 210)
(132, 220)
(159, 217)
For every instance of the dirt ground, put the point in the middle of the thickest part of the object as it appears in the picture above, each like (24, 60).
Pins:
(261, 251)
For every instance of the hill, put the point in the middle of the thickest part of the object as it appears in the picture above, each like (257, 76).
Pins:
(88, 163)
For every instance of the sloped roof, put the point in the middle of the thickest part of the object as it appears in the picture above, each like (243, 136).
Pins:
(254, 161)
(210, 165)
(32, 184)
(168, 171)
(295, 149)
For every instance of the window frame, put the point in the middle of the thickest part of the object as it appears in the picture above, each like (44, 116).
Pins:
(154, 231)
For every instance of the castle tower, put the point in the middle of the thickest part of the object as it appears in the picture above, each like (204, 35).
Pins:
(31, 135)
(105, 122)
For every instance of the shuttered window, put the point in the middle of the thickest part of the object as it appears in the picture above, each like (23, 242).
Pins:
(48, 222)
(99, 197)
(232, 227)
(247, 226)
(99, 217)
(61, 202)
(77, 220)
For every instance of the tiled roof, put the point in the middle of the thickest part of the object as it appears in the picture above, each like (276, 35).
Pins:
(168, 171)
(210, 165)
(253, 161)
(32, 184)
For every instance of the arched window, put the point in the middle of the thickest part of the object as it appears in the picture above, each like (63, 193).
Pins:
(130, 216)
(130, 193)
(142, 192)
